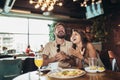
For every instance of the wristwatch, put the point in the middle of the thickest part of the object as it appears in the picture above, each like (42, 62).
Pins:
(83, 61)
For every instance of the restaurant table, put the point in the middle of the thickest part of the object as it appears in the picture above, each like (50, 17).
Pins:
(20, 57)
(106, 75)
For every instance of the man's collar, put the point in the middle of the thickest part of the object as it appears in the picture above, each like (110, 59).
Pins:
(63, 44)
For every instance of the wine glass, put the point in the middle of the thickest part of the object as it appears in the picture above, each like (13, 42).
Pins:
(38, 61)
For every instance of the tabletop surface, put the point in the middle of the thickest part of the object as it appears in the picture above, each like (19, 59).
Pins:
(21, 57)
(106, 75)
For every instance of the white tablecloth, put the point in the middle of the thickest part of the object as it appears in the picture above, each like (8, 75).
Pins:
(30, 76)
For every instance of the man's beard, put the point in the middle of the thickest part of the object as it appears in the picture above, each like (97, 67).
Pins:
(61, 35)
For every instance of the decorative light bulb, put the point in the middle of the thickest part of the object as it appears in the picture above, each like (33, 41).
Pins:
(84, 2)
(74, 0)
(85, 5)
(44, 5)
(37, 6)
(82, 5)
(42, 8)
(47, 1)
(52, 4)
(100, 1)
(39, 1)
(31, 2)
(92, 2)
(60, 4)
(50, 8)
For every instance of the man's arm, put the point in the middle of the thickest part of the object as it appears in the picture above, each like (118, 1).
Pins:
(58, 57)
(47, 60)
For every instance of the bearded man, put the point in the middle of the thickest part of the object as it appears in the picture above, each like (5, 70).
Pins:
(57, 50)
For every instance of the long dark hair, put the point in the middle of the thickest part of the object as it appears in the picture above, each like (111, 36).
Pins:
(83, 39)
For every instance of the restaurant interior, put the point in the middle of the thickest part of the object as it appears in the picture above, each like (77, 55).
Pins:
(100, 19)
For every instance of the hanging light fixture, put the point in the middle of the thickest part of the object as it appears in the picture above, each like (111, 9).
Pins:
(84, 3)
(45, 5)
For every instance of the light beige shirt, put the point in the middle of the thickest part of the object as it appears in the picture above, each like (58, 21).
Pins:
(51, 48)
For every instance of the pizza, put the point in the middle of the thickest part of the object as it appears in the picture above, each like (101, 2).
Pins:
(68, 73)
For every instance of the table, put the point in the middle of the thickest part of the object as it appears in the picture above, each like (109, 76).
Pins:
(107, 75)
(20, 57)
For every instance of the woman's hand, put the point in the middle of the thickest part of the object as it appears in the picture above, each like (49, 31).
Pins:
(76, 52)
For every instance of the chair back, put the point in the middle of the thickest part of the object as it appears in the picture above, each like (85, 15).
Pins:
(114, 65)
(106, 60)
(10, 69)
(29, 65)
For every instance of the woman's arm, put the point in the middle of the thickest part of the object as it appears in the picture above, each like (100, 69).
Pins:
(91, 50)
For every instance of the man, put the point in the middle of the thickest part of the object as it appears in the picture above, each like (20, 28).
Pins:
(57, 50)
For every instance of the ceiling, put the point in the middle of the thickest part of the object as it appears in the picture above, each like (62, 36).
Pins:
(69, 9)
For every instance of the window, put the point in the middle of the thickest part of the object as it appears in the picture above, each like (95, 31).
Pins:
(16, 33)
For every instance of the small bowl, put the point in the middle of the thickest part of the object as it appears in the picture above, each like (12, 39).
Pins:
(89, 70)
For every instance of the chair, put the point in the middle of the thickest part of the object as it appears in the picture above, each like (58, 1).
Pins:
(114, 65)
(28, 65)
(104, 56)
(10, 69)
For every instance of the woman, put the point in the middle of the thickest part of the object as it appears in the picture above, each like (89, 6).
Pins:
(82, 49)
(28, 51)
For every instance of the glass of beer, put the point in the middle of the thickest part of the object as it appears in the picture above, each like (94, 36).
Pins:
(38, 61)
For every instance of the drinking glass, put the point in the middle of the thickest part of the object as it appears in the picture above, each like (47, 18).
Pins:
(38, 61)
(93, 62)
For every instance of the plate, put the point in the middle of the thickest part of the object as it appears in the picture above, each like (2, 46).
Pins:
(67, 73)
(98, 69)
(89, 70)
(101, 69)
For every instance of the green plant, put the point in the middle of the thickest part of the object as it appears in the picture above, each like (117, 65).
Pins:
(51, 32)
(99, 29)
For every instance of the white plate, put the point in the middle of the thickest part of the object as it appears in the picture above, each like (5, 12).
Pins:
(101, 70)
(70, 74)
(93, 71)
(89, 70)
